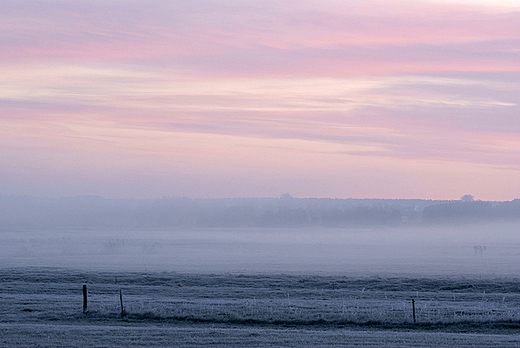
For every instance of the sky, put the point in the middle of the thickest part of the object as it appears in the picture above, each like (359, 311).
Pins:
(230, 98)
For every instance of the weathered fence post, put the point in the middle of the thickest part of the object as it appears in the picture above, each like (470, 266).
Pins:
(121, 300)
(413, 310)
(84, 298)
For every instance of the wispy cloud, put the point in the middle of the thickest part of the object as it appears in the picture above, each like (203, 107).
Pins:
(187, 88)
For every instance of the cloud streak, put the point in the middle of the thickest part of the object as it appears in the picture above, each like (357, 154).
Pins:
(268, 91)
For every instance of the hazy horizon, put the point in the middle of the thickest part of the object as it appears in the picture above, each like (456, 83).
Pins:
(86, 195)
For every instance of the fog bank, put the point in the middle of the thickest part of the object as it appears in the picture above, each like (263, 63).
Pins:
(474, 251)
(280, 235)
(286, 211)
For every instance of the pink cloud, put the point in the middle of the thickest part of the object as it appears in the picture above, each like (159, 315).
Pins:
(273, 91)
(278, 40)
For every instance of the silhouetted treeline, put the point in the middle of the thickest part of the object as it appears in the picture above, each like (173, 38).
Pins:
(286, 211)
(477, 211)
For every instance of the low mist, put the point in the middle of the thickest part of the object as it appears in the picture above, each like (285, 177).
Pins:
(386, 237)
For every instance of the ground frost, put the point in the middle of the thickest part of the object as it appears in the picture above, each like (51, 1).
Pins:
(45, 305)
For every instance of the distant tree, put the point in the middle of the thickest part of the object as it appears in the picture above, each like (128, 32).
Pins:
(467, 198)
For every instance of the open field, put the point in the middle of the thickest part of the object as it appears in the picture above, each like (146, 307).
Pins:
(43, 307)
(435, 251)
(262, 287)
(52, 335)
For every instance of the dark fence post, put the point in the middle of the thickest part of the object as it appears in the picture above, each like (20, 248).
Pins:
(84, 298)
(121, 300)
(413, 310)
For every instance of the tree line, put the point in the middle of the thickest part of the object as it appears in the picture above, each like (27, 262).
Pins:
(286, 212)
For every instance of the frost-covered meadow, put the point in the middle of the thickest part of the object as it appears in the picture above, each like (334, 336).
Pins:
(260, 287)
(43, 307)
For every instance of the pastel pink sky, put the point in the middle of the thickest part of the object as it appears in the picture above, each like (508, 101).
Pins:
(379, 99)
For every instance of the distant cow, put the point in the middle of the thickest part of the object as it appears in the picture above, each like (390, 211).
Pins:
(479, 250)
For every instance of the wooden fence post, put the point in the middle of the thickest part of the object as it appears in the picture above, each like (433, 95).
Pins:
(121, 300)
(413, 310)
(84, 298)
